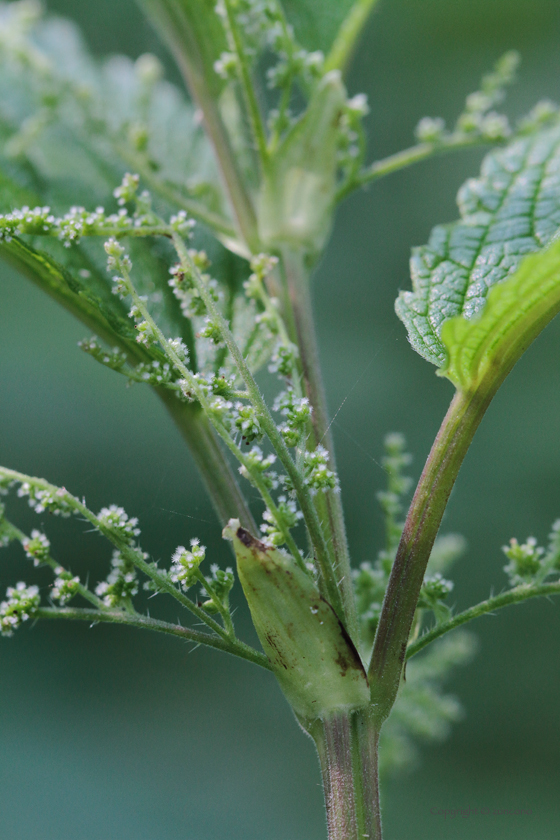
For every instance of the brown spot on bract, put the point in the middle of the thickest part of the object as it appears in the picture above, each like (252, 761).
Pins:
(250, 541)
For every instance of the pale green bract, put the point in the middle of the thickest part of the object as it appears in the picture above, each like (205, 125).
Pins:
(511, 210)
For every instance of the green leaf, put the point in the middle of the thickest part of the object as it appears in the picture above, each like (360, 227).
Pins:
(511, 210)
(54, 279)
(516, 311)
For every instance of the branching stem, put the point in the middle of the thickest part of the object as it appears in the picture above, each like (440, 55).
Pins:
(234, 647)
(406, 157)
(512, 596)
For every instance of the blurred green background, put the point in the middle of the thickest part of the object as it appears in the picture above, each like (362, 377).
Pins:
(113, 733)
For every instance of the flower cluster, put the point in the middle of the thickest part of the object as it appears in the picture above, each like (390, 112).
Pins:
(153, 373)
(288, 516)
(65, 586)
(114, 358)
(71, 227)
(433, 593)
(54, 500)
(525, 561)
(256, 463)
(212, 331)
(181, 224)
(261, 266)
(21, 603)
(37, 548)
(121, 584)
(187, 294)
(297, 413)
(128, 189)
(284, 360)
(185, 563)
(115, 519)
(247, 423)
(479, 118)
(351, 144)
(317, 474)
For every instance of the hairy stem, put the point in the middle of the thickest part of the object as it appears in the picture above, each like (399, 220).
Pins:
(210, 460)
(406, 157)
(266, 420)
(420, 530)
(247, 86)
(234, 647)
(301, 316)
(347, 745)
(512, 596)
(348, 34)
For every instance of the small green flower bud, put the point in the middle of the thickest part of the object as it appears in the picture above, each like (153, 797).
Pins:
(185, 563)
(37, 548)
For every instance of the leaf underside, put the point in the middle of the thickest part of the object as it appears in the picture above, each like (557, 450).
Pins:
(77, 154)
(511, 210)
(515, 313)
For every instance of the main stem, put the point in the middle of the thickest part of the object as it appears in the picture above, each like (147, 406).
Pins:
(348, 748)
(298, 311)
(420, 530)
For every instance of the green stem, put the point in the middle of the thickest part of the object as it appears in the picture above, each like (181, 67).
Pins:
(406, 157)
(348, 34)
(420, 530)
(236, 647)
(348, 749)
(512, 596)
(222, 608)
(247, 87)
(210, 460)
(301, 311)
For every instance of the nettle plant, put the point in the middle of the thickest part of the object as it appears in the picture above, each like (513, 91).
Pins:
(198, 275)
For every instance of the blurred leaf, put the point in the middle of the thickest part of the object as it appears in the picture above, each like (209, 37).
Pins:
(515, 313)
(70, 126)
(422, 711)
(511, 210)
(70, 293)
(82, 123)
